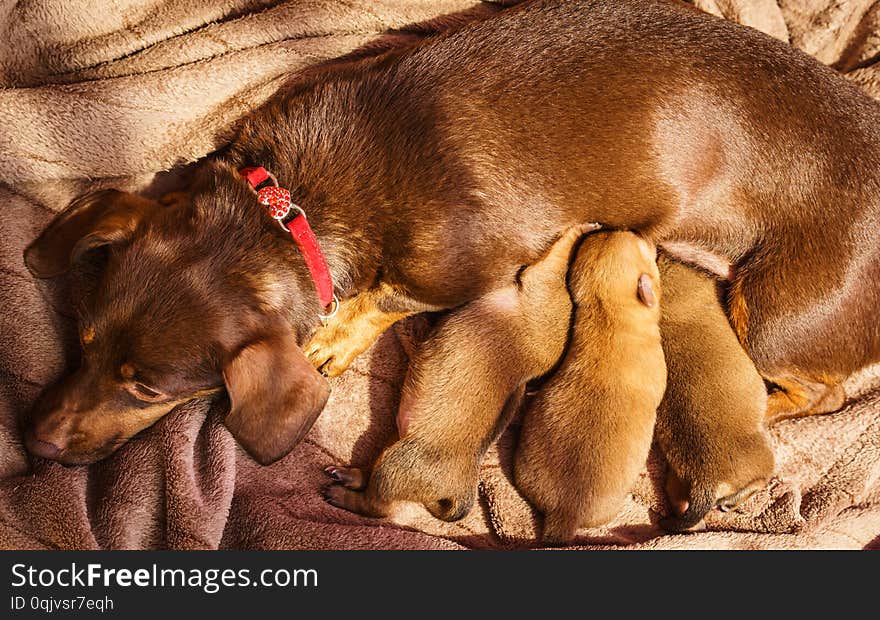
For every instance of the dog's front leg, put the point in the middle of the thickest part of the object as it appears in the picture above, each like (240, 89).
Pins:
(358, 322)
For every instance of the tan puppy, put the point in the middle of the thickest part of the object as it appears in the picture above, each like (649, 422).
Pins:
(710, 424)
(462, 386)
(587, 433)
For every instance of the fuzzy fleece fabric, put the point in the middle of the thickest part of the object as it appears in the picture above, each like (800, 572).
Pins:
(94, 97)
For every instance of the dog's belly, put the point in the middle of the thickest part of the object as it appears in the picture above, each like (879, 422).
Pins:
(696, 256)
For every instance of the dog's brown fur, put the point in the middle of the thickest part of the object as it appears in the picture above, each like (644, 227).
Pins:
(710, 424)
(431, 175)
(463, 384)
(586, 434)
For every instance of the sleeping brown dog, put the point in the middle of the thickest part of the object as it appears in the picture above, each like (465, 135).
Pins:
(711, 422)
(586, 434)
(463, 385)
(431, 175)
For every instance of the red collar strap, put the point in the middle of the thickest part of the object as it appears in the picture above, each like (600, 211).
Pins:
(293, 219)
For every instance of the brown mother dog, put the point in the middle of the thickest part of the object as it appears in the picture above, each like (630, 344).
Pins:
(431, 175)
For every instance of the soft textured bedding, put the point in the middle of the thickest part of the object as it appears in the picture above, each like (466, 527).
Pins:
(92, 97)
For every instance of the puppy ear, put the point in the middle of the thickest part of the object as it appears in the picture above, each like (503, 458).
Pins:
(646, 291)
(96, 219)
(275, 396)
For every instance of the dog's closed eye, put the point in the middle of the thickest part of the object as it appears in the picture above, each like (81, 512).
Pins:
(144, 392)
(138, 389)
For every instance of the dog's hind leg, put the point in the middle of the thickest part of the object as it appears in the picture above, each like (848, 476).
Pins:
(358, 502)
(804, 363)
(799, 396)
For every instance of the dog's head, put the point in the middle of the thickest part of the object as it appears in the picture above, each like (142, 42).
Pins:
(192, 297)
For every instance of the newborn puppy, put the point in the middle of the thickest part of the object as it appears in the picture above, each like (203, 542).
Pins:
(710, 424)
(587, 433)
(462, 386)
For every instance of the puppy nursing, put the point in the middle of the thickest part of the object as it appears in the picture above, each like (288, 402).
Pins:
(587, 433)
(710, 424)
(477, 360)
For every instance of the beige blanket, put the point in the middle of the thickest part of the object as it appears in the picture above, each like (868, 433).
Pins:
(96, 94)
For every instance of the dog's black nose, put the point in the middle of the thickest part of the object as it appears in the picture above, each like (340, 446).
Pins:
(38, 447)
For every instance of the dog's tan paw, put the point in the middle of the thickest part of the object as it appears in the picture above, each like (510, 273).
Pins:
(336, 495)
(333, 348)
(734, 500)
(329, 358)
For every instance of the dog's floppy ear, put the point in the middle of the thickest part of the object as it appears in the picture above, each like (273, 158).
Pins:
(275, 396)
(95, 219)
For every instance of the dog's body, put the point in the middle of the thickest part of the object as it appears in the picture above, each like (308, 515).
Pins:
(710, 424)
(650, 116)
(463, 384)
(431, 175)
(586, 434)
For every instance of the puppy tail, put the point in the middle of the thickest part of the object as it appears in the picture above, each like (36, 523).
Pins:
(701, 501)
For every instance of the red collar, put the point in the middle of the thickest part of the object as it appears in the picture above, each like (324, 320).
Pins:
(280, 205)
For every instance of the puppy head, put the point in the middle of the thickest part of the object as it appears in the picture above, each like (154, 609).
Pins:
(620, 267)
(192, 298)
(721, 471)
(691, 502)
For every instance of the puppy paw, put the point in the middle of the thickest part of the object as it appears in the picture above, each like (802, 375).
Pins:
(733, 501)
(349, 477)
(339, 496)
(689, 511)
(353, 501)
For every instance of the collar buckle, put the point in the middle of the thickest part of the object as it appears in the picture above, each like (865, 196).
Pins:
(286, 212)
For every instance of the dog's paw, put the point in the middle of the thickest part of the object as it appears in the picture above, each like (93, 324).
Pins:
(735, 499)
(336, 495)
(333, 348)
(352, 501)
(350, 477)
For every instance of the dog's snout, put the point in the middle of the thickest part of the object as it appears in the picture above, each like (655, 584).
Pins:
(46, 447)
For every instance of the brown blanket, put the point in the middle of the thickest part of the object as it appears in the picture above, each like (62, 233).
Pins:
(92, 97)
